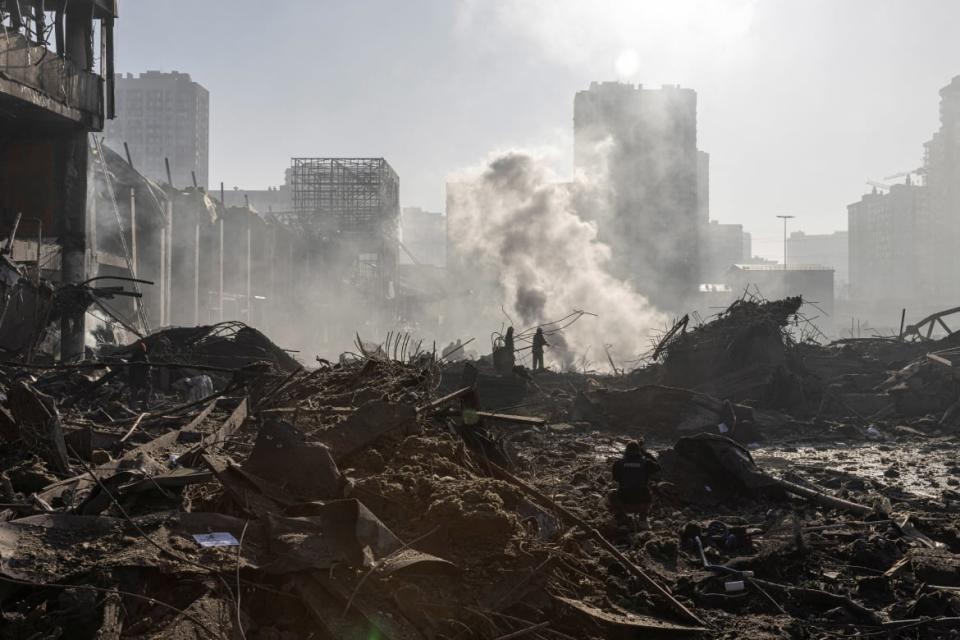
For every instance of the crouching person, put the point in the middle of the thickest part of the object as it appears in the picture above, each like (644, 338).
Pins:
(633, 473)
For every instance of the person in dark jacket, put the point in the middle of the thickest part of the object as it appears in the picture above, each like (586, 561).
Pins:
(539, 342)
(633, 473)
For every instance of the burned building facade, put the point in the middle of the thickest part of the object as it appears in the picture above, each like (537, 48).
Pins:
(208, 263)
(54, 91)
(644, 143)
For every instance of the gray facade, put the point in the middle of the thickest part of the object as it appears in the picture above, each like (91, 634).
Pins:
(163, 116)
(827, 249)
(723, 246)
(644, 141)
(941, 222)
(903, 243)
(884, 249)
(424, 235)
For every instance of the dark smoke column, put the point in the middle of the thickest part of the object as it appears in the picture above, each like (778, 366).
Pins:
(644, 142)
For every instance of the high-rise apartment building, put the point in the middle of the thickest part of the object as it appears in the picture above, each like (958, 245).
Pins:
(903, 244)
(940, 228)
(644, 143)
(163, 116)
(884, 248)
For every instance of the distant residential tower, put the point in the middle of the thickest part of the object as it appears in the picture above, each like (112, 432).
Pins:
(163, 116)
(644, 141)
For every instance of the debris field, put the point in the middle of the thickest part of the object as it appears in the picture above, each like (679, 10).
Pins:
(807, 491)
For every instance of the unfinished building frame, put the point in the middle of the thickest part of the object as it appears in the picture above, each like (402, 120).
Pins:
(353, 205)
(351, 195)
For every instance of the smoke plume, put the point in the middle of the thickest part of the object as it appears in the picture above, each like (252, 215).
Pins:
(511, 224)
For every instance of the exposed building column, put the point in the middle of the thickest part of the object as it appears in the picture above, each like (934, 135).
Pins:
(73, 239)
(249, 270)
(222, 215)
(79, 39)
(196, 270)
(168, 264)
(220, 271)
(163, 276)
(133, 234)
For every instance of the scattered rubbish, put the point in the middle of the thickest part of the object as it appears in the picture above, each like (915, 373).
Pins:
(220, 539)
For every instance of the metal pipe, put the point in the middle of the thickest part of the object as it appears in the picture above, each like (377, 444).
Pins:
(135, 267)
(13, 234)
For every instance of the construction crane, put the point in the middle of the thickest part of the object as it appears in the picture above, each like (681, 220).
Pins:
(885, 186)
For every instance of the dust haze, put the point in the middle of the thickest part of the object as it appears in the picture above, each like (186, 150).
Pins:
(519, 230)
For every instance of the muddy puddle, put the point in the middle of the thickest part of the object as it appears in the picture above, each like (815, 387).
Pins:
(921, 468)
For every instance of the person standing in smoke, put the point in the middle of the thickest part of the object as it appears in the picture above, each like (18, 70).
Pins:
(503, 356)
(539, 342)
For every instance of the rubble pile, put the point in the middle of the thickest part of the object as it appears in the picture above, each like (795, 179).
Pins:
(240, 495)
(743, 354)
(341, 502)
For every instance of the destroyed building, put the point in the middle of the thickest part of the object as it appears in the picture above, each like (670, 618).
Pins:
(278, 199)
(349, 208)
(195, 480)
(206, 263)
(54, 92)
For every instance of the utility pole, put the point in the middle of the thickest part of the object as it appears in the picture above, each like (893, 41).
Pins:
(785, 218)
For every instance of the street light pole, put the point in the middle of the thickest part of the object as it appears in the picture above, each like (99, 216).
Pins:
(785, 218)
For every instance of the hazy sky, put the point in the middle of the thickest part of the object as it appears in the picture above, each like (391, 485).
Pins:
(800, 101)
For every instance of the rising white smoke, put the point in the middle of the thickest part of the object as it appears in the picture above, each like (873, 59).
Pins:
(512, 222)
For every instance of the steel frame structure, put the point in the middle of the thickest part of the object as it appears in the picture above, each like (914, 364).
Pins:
(353, 203)
(346, 195)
